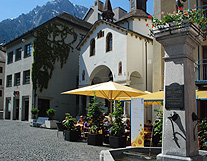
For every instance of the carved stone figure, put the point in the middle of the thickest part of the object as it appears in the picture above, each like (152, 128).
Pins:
(179, 4)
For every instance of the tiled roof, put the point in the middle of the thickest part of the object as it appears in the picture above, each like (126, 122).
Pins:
(135, 13)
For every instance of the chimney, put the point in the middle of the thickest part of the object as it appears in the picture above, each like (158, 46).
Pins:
(138, 4)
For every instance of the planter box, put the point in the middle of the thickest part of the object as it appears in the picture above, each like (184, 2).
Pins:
(95, 139)
(71, 135)
(51, 124)
(117, 142)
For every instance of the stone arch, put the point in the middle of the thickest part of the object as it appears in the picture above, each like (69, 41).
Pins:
(136, 80)
(101, 74)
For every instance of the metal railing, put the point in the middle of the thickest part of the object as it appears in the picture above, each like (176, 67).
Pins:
(201, 71)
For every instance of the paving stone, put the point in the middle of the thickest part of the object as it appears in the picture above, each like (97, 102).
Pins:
(20, 142)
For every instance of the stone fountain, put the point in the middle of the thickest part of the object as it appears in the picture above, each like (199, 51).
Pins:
(180, 138)
(180, 135)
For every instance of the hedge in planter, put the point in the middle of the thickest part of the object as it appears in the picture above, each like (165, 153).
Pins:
(117, 138)
(34, 112)
(51, 113)
(71, 134)
(95, 115)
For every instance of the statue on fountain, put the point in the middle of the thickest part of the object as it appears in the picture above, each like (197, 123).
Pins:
(179, 4)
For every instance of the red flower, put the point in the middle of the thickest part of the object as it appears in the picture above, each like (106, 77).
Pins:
(186, 13)
(149, 16)
(181, 8)
(147, 24)
(194, 10)
(152, 26)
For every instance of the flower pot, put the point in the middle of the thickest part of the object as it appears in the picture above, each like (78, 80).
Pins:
(117, 142)
(95, 139)
(71, 135)
(51, 124)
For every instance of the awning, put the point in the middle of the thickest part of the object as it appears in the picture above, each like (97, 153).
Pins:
(157, 97)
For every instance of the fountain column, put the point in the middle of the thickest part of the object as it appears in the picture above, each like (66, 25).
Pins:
(179, 141)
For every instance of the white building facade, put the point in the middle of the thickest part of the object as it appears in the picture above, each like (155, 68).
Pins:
(2, 77)
(19, 90)
(121, 51)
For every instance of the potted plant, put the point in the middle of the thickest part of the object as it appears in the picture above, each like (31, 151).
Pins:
(202, 134)
(71, 134)
(157, 129)
(51, 124)
(51, 113)
(95, 115)
(34, 112)
(179, 19)
(117, 138)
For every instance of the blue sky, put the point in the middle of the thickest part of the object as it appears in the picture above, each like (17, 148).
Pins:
(14, 8)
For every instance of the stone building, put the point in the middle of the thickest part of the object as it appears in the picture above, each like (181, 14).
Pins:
(40, 65)
(2, 77)
(119, 50)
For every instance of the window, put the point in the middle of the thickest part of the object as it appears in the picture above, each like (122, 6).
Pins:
(0, 82)
(120, 67)
(10, 58)
(17, 79)
(108, 42)
(0, 93)
(18, 54)
(26, 77)
(83, 75)
(1, 69)
(28, 50)
(100, 34)
(92, 47)
(9, 81)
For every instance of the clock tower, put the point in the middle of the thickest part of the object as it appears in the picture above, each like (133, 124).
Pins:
(138, 4)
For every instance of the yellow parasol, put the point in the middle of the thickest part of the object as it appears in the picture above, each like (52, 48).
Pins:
(108, 90)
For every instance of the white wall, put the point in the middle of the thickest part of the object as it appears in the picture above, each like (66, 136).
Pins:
(110, 59)
(2, 77)
(137, 48)
(63, 79)
(16, 67)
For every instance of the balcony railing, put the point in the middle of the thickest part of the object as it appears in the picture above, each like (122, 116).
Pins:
(201, 71)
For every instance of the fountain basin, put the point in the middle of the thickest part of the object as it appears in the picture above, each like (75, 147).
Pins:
(136, 154)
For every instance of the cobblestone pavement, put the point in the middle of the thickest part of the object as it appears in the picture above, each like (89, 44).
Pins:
(20, 142)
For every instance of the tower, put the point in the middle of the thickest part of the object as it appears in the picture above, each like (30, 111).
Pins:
(108, 13)
(138, 4)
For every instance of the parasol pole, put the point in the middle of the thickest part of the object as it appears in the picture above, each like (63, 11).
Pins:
(111, 106)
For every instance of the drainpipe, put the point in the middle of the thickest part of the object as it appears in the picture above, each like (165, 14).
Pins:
(146, 62)
(198, 63)
(189, 5)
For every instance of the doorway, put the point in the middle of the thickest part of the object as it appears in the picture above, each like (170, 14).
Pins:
(17, 109)
(26, 106)
(43, 106)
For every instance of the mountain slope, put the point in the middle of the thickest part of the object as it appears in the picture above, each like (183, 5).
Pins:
(11, 28)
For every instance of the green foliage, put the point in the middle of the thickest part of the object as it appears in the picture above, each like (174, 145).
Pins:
(95, 115)
(34, 111)
(70, 123)
(51, 113)
(193, 16)
(117, 125)
(203, 133)
(52, 44)
(158, 125)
